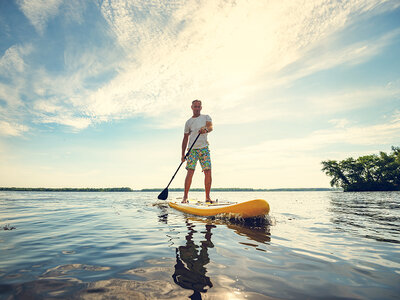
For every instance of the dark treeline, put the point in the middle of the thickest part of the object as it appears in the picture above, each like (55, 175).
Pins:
(366, 173)
(122, 189)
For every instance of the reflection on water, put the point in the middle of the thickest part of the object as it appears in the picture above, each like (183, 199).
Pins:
(190, 271)
(370, 215)
(191, 258)
(255, 229)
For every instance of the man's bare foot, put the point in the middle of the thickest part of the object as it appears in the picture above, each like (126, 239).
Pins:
(210, 201)
(184, 200)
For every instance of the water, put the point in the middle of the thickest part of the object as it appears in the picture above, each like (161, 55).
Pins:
(319, 245)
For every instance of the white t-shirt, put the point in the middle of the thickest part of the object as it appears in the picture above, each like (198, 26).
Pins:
(193, 126)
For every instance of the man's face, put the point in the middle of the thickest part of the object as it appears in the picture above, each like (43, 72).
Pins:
(196, 107)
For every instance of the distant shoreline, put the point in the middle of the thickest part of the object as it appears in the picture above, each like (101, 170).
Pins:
(127, 189)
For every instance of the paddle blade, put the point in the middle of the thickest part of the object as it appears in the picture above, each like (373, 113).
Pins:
(163, 195)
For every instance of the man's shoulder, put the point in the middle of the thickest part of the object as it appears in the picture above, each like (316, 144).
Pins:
(200, 118)
(207, 117)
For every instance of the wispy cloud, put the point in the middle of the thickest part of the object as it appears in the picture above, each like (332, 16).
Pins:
(12, 129)
(339, 123)
(13, 68)
(351, 99)
(396, 116)
(322, 57)
(218, 52)
(39, 11)
(383, 133)
(12, 61)
(167, 53)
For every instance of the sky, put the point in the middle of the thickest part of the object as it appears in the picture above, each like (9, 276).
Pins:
(96, 93)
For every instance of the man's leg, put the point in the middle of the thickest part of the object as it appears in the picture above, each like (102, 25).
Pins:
(205, 161)
(188, 182)
(207, 183)
(191, 162)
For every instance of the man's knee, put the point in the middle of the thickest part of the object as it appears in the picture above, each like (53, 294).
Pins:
(190, 172)
(207, 172)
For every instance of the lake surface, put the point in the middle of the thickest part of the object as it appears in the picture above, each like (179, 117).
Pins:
(314, 245)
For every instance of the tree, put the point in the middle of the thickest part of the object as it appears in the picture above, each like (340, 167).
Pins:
(366, 173)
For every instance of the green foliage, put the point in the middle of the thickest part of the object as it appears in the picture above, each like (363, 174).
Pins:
(366, 173)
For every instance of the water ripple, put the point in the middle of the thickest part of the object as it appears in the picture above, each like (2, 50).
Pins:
(314, 245)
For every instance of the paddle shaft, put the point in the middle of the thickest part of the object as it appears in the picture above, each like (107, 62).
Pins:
(182, 161)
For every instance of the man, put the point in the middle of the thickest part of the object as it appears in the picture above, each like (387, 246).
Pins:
(202, 124)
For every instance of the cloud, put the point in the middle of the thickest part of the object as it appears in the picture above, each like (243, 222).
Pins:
(139, 22)
(39, 11)
(13, 68)
(167, 53)
(74, 10)
(339, 123)
(369, 135)
(35, 94)
(47, 106)
(351, 99)
(219, 52)
(319, 59)
(76, 123)
(13, 60)
(10, 95)
(379, 134)
(53, 111)
(396, 116)
(12, 129)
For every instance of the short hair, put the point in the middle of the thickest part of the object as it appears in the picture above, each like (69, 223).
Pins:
(196, 101)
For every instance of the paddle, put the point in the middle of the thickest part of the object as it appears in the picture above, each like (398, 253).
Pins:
(164, 194)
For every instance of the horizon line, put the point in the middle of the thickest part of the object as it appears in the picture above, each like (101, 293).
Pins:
(161, 189)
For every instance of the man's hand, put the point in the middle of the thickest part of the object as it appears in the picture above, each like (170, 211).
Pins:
(206, 129)
(183, 158)
(203, 130)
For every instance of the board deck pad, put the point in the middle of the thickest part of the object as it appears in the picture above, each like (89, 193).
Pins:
(195, 202)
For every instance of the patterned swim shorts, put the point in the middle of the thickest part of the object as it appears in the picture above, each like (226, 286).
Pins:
(203, 155)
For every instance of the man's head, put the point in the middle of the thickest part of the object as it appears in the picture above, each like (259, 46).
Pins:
(196, 107)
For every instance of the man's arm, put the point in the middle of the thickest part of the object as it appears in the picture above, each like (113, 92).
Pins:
(207, 129)
(184, 145)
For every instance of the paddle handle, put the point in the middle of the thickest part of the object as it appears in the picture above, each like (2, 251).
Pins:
(182, 161)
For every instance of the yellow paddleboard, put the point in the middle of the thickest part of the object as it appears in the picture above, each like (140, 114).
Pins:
(247, 209)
